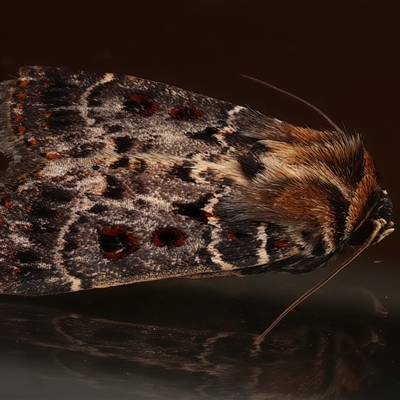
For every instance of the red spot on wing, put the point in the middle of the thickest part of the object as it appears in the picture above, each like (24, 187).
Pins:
(7, 203)
(33, 142)
(185, 113)
(170, 237)
(209, 215)
(50, 156)
(233, 235)
(281, 244)
(117, 242)
(141, 104)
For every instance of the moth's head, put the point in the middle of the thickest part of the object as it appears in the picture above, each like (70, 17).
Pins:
(321, 183)
(381, 212)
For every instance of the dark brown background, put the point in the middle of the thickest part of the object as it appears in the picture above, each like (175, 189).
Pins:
(344, 57)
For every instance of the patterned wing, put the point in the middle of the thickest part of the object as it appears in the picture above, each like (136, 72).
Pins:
(113, 179)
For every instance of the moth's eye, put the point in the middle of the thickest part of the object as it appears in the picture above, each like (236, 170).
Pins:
(361, 234)
(384, 208)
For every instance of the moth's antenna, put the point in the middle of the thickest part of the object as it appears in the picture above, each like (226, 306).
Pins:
(320, 284)
(293, 96)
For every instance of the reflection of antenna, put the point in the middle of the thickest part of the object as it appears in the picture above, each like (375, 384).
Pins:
(320, 284)
(293, 96)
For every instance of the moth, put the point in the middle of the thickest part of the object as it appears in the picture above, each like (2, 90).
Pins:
(327, 360)
(112, 179)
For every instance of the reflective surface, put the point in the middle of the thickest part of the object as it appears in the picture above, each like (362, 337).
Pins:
(194, 339)
(191, 339)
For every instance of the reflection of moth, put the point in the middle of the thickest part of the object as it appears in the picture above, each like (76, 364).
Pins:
(164, 363)
(113, 179)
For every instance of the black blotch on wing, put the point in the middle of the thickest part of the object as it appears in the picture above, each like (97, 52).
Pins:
(62, 118)
(98, 208)
(194, 210)
(57, 194)
(70, 244)
(251, 165)
(122, 162)
(42, 211)
(114, 189)
(183, 172)
(113, 128)
(83, 219)
(27, 256)
(259, 148)
(123, 143)
(206, 135)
